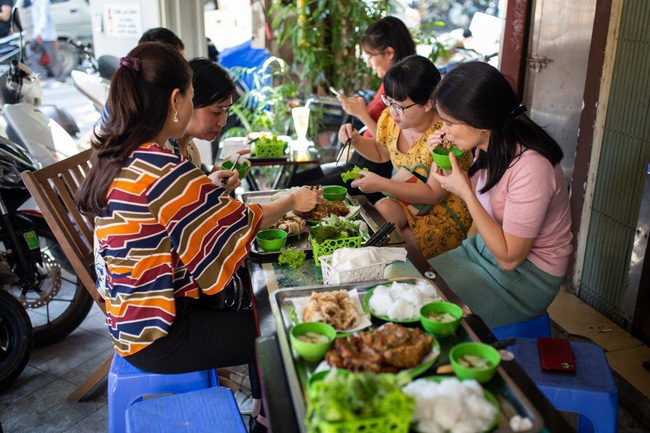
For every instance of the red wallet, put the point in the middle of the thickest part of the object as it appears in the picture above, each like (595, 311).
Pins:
(556, 355)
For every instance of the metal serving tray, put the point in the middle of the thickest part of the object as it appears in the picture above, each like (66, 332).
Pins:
(511, 399)
(301, 242)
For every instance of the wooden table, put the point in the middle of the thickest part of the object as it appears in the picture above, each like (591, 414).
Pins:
(268, 277)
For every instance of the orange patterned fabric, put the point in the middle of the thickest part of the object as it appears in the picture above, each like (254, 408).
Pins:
(168, 233)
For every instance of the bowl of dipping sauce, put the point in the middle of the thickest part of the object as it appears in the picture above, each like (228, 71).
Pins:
(271, 240)
(476, 361)
(335, 193)
(440, 319)
(312, 339)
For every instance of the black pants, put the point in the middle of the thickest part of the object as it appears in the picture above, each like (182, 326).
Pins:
(330, 174)
(202, 337)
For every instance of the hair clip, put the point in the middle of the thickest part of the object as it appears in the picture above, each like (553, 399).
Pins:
(521, 108)
(133, 63)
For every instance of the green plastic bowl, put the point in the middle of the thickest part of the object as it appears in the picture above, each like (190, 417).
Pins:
(312, 351)
(479, 349)
(440, 329)
(271, 240)
(441, 157)
(335, 193)
(242, 169)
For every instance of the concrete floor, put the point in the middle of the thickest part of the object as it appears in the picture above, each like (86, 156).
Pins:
(37, 400)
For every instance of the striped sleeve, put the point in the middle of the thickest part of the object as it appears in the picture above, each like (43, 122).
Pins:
(211, 232)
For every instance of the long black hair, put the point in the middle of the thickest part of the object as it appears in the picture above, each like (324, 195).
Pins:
(389, 32)
(139, 104)
(478, 95)
(211, 82)
(414, 77)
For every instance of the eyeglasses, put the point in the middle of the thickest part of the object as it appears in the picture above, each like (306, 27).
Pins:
(398, 108)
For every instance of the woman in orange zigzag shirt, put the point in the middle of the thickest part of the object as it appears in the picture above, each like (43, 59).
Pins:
(171, 239)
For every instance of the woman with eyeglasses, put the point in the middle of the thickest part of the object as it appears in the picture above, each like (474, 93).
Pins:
(516, 192)
(384, 43)
(426, 215)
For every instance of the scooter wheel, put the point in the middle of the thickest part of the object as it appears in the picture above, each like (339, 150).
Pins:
(16, 339)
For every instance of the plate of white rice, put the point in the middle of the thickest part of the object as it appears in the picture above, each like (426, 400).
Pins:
(446, 404)
(400, 302)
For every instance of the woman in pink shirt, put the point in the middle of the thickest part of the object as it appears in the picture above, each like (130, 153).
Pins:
(516, 193)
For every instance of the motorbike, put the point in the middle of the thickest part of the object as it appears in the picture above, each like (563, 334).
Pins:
(16, 339)
(95, 80)
(45, 130)
(10, 47)
(40, 129)
(43, 280)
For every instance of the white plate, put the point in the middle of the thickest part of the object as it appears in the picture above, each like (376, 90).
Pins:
(364, 322)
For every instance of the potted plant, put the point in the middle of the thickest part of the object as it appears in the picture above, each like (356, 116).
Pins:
(325, 36)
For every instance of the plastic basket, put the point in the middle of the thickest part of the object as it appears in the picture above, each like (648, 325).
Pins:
(396, 421)
(327, 247)
(270, 150)
(365, 273)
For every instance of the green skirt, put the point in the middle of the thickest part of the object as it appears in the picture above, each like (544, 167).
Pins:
(499, 297)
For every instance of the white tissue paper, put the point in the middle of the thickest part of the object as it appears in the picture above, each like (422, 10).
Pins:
(345, 259)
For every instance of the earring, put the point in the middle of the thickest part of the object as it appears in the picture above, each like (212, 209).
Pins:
(176, 119)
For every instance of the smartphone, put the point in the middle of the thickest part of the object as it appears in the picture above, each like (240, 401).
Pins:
(556, 356)
(336, 92)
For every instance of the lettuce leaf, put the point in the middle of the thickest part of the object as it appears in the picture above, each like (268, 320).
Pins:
(346, 397)
(351, 174)
(293, 259)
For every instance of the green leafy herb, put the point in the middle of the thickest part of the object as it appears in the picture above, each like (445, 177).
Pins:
(322, 233)
(348, 397)
(294, 259)
(335, 227)
(351, 174)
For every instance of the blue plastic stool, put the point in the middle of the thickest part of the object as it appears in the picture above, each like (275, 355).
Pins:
(128, 384)
(539, 327)
(591, 392)
(212, 410)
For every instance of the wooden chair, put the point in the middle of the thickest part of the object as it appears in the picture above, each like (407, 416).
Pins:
(54, 188)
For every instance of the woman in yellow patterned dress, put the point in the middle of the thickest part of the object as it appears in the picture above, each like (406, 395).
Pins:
(425, 215)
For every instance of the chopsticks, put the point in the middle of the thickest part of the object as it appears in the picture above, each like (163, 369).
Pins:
(381, 236)
(347, 144)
